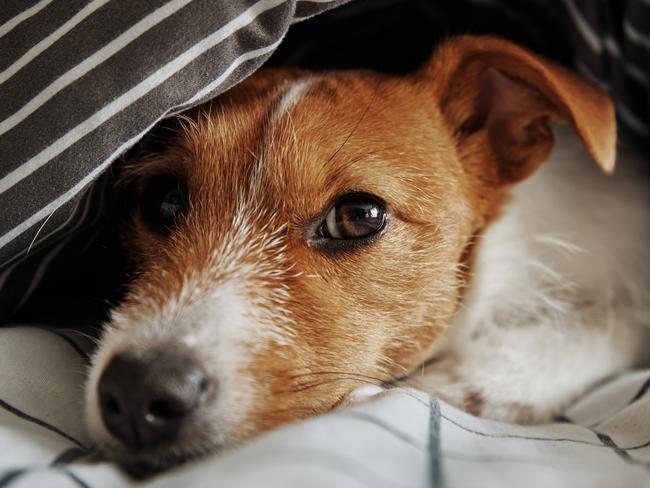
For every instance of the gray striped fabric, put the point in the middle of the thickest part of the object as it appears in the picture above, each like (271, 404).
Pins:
(81, 81)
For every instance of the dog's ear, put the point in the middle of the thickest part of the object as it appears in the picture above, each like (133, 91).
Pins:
(496, 95)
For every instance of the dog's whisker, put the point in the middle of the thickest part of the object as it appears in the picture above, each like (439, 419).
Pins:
(75, 332)
(356, 126)
(395, 385)
(351, 376)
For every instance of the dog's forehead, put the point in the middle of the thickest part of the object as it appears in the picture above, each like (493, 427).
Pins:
(281, 118)
(305, 138)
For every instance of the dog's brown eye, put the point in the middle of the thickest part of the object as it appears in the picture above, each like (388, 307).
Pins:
(164, 199)
(354, 216)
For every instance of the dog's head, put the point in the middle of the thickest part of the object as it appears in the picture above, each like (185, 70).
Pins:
(307, 233)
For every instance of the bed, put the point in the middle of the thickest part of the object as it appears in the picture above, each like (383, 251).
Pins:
(391, 438)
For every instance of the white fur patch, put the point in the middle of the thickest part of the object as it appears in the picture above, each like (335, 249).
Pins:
(558, 298)
(291, 97)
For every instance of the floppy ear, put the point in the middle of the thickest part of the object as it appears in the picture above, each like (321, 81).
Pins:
(496, 95)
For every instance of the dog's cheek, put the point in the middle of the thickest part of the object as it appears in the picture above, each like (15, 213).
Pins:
(285, 390)
(316, 370)
(424, 295)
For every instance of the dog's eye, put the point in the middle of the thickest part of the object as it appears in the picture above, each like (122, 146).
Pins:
(354, 216)
(164, 199)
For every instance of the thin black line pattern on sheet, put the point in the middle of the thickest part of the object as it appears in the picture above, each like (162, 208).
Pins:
(446, 455)
(621, 453)
(74, 477)
(606, 440)
(542, 439)
(404, 437)
(453, 456)
(62, 459)
(520, 436)
(59, 463)
(69, 455)
(29, 418)
(82, 354)
(14, 475)
(10, 475)
(638, 395)
(642, 391)
(436, 470)
(405, 392)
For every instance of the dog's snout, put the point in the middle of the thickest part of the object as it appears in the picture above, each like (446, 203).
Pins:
(145, 402)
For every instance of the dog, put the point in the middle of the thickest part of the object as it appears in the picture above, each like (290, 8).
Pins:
(307, 233)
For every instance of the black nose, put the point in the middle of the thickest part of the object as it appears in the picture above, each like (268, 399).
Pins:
(148, 401)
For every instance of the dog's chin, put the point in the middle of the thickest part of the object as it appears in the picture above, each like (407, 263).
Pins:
(143, 468)
(142, 465)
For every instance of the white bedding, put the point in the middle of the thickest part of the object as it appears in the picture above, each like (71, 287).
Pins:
(398, 438)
